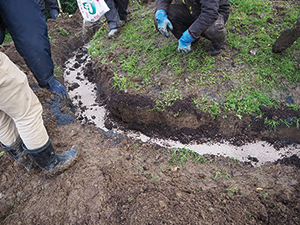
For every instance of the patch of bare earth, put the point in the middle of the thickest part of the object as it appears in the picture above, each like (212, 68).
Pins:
(118, 180)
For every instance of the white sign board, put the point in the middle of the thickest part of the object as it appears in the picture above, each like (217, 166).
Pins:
(92, 10)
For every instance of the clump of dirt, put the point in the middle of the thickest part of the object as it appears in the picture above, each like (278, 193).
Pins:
(119, 180)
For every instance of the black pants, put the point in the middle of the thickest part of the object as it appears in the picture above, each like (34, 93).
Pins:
(117, 12)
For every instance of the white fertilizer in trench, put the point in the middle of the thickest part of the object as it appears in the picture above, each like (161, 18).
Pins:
(85, 96)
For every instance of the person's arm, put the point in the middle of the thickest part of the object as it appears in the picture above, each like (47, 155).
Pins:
(162, 4)
(208, 15)
(224, 8)
(163, 23)
(28, 28)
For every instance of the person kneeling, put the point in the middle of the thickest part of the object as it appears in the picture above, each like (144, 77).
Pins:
(188, 20)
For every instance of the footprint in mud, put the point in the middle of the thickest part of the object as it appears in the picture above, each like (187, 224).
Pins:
(55, 108)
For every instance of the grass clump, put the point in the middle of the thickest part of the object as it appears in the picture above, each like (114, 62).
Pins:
(181, 155)
(62, 31)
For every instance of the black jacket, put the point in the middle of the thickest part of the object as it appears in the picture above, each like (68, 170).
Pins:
(205, 13)
(27, 26)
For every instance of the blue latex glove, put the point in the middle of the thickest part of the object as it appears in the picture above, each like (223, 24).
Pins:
(184, 43)
(58, 88)
(163, 23)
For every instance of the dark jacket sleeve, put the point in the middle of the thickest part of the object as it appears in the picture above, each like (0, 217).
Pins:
(42, 6)
(52, 4)
(27, 26)
(209, 14)
(162, 4)
(224, 9)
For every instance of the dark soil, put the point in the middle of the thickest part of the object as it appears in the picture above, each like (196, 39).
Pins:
(119, 180)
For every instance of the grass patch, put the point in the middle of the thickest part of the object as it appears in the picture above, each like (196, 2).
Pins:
(181, 155)
(248, 75)
(62, 31)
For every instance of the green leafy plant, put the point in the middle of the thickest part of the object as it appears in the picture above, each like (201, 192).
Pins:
(264, 195)
(181, 155)
(217, 175)
(62, 31)
(13, 214)
(233, 191)
(236, 161)
(272, 124)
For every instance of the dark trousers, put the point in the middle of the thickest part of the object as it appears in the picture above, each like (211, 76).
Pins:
(117, 12)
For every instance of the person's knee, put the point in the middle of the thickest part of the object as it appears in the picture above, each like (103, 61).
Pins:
(216, 31)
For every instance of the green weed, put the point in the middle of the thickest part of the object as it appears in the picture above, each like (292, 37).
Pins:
(62, 31)
(13, 214)
(264, 195)
(236, 161)
(182, 155)
(217, 175)
(233, 191)
(7, 38)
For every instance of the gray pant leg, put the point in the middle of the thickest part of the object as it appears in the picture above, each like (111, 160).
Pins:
(112, 16)
(122, 8)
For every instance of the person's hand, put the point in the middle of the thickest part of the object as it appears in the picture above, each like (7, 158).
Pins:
(59, 89)
(163, 23)
(184, 43)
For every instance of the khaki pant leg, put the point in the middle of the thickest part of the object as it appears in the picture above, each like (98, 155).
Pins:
(19, 102)
(8, 130)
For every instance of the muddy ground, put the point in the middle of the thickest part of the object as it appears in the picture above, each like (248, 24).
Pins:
(120, 180)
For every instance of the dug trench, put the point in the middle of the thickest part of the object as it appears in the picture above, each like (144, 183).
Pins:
(121, 180)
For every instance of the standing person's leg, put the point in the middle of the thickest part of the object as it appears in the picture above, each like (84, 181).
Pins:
(122, 6)
(20, 113)
(11, 141)
(53, 8)
(18, 101)
(112, 17)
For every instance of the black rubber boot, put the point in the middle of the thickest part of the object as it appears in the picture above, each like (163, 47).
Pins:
(287, 38)
(47, 159)
(17, 152)
(215, 50)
